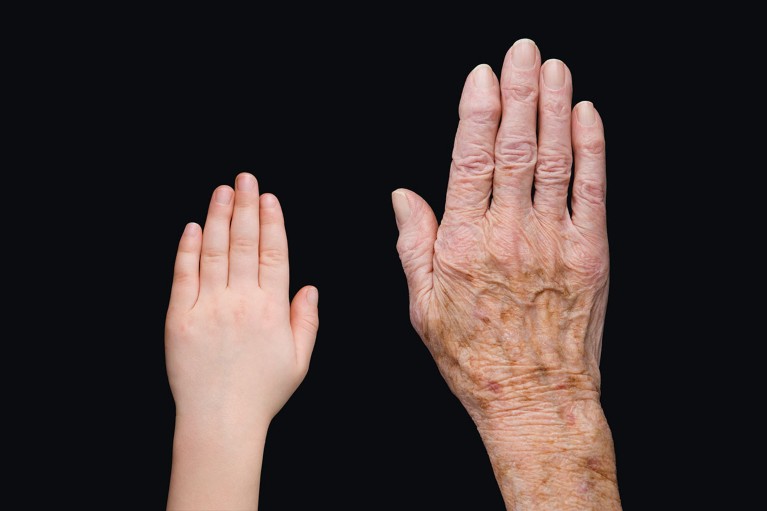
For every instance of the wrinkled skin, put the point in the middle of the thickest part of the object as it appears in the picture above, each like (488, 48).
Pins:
(516, 310)
(509, 291)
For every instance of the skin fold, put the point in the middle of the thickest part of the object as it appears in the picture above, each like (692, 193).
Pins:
(509, 291)
(236, 348)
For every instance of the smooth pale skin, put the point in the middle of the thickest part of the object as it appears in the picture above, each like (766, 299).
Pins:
(509, 291)
(236, 348)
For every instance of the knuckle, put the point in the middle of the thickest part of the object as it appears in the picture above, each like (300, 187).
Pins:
(556, 107)
(311, 323)
(553, 169)
(522, 92)
(555, 161)
(214, 256)
(410, 247)
(591, 191)
(485, 111)
(245, 202)
(516, 150)
(269, 256)
(476, 164)
(594, 146)
(244, 243)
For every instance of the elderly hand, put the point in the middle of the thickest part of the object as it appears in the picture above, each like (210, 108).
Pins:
(509, 291)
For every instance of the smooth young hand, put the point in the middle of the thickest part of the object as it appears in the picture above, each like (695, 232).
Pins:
(236, 348)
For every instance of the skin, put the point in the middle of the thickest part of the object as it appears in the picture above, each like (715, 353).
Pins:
(236, 348)
(509, 292)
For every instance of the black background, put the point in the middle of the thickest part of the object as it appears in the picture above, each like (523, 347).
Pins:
(331, 119)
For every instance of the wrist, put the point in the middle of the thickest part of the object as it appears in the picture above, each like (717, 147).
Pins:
(221, 431)
(551, 449)
(216, 464)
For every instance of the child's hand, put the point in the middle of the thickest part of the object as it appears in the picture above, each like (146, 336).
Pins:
(236, 348)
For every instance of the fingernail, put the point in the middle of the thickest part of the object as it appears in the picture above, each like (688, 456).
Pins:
(523, 54)
(313, 296)
(191, 229)
(554, 74)
(246, 182)
(224, 195)
(268, 200)
(401, 207)
(483, 76)
(586, 114)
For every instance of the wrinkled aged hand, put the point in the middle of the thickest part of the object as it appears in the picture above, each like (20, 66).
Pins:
(509, 291)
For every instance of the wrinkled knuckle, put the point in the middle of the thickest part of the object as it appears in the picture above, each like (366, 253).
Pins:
(556, 107)
(522, 92)
(474, 164)
(515, 150)
(411, 251)
(484, 111)
(553, 170)
(555, 162)
(591, 191)
(594, 146)
(404, 246)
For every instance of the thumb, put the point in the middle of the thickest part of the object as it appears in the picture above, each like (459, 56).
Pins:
(417, 233)
(305, 321)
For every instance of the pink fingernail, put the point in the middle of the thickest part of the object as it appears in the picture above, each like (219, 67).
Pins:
(191, 229)
(224, 195)
(587, 116)
(246, 182)
(313, 296)
(483, 76)
(268, 201)
(401, 207)
(523, 54)
(554, 74)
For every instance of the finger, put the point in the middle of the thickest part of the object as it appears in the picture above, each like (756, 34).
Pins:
(273, 273)
(214, 263)
(417, 233)
(305, 321)
(515, 145)
(555, 153)
(590, 180)
(243, 238)
(186, 274)
(471, 172)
